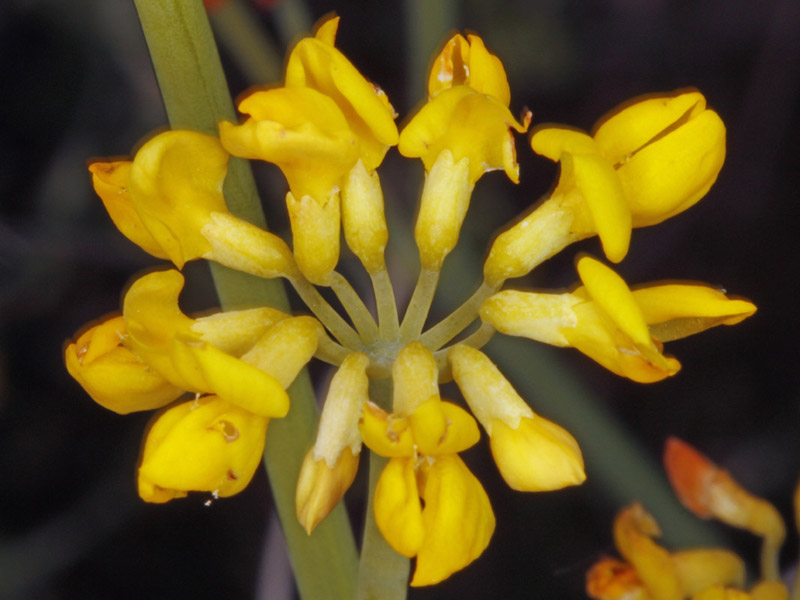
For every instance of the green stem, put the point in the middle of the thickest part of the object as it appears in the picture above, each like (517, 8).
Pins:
(383, 573)
(332, 320)
(444, 331)
(355, 308)
(238, 28)
(479, 338)
(388, 323)
(196, 97)
(330, 352)
(419, 305)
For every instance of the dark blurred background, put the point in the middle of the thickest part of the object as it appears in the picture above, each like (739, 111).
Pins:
(77, 83)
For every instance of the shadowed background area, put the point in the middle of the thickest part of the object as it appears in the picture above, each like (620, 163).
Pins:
(78, 84)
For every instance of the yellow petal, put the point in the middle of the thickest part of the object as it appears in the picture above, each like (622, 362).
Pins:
(671, 174)
(674, 311)
(320, 487)
(719, 592)
(207, 369)
(110, 181)
(398, 512)
(386, 434)
(302, 131)
(537, 456)
(112, 375)
(175, 183)
(458, 521)
(236, 331)
(314, 63)
(552, 142)
(428, 425)
(201, 445)
(632, 125)
(769, 590)
(599, 187)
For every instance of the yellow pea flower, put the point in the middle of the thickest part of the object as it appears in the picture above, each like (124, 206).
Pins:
(114, 376)
(621, 329)
(162, 336)
(461, 133)
(315, 63)
(330, 465)
(653, 158)
(455, 524)
(206, 444)
(532, 453)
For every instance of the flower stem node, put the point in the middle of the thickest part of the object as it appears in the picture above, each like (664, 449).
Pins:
(532, 453)
(206, 445)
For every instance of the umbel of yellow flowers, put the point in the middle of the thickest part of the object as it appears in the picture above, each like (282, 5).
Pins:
(650, 571)
(217, 380)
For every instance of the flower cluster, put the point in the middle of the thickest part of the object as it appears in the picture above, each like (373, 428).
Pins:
(328, 129)
(651, 571)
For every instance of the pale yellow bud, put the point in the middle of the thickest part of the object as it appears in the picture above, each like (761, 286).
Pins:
(240, 245)
(285, 348)
(537, 237)
(315, 235)
(320, 487)
(235, 331)
(443, 206)
(363, 218)
(415, 378)
(540, 317)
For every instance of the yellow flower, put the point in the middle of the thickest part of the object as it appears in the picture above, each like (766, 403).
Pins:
(461, 133)
(206, 444)
(532, 453)
(330, 465)
(621, 329)
(467, 113)
(113, 375)
(456, 523)
(315, 63)
(163, 337)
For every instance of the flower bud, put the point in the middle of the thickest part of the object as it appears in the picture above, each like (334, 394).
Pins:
(315, 235)
(415, 377)
(363, 218)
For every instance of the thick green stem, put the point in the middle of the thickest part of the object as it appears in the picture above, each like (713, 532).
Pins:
(196, 97)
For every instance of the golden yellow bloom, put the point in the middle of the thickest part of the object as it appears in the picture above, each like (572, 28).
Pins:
(331, 464)
(623, 330)
(162, 336)
(113, 375)
(653, 158)
(206, 444)
(315, 63)
(532, 453)
(455, 524)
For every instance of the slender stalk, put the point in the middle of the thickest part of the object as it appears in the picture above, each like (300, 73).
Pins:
(196, 97)
(330, 351)
(332, 320)
(479, 338)
(420, 305)
(355, 308)
(388, 323)
(444, 331)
